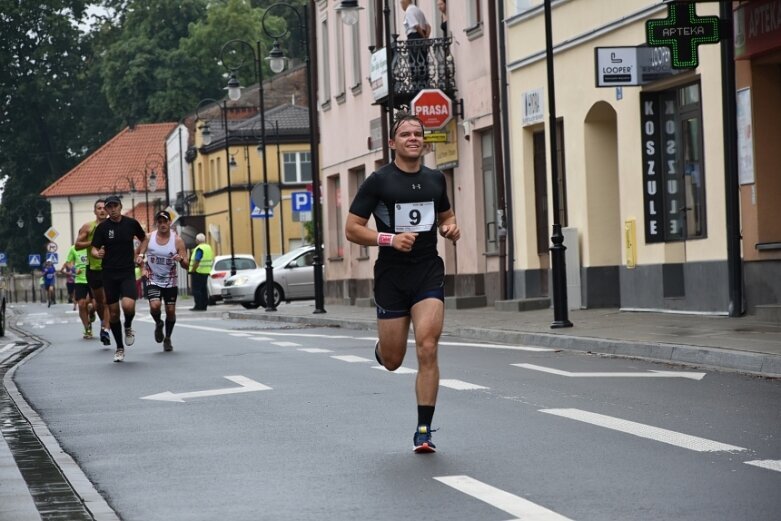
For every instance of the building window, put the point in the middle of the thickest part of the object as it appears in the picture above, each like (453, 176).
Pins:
(336, 226)
(297, 167)
(525, 5)
(489, 192)
(356, 179)
(356, 54)
(473, 14)
(340, 59)
(673, 167)
(325, 69)
(371, 16)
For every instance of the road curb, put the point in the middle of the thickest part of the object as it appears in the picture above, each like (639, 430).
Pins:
(759, 364)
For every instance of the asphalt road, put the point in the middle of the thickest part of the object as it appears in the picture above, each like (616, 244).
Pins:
(313, 430)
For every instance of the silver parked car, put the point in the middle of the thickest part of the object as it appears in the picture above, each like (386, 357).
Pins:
(221, 270)
(294, 279)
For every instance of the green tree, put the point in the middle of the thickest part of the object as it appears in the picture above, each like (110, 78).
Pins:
(45, 88)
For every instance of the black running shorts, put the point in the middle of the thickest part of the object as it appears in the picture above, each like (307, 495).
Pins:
(94, 278)
(167, 295)
(119, 285)
(398, 287)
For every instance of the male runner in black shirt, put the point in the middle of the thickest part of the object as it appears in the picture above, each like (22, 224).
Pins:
(410, 205)
(113, 243)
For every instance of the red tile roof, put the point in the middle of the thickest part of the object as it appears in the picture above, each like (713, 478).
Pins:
(140, 213)
(124, 156)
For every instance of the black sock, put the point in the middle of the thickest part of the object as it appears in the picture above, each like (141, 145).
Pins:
(129, 319)
(156, 316)
(169, 326)
(116, 330)
(425, 415)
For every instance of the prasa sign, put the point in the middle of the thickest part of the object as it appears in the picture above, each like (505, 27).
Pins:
(433, 107)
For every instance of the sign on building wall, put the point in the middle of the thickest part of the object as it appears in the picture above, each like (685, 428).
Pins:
(378, 75)
(532, 106)
(745, 138)
(446, 154)
(757, 27)
(663, 190)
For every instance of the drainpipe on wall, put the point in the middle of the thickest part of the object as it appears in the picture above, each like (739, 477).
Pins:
(70, 215)
(496, 98)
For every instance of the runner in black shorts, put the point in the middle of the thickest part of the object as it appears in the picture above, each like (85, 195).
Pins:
(410, 205)
(164, 252)
(113, 243)
(94, 271)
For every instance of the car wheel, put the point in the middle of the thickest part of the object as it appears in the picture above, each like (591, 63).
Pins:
(260, 295)
(250, 305)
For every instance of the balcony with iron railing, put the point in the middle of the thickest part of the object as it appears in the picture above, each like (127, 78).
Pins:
(421, 64)
(189, 203)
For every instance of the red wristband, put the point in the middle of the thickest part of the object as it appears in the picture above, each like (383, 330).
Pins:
(385, 239)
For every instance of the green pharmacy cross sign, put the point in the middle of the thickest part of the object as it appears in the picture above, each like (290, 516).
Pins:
(682, 31)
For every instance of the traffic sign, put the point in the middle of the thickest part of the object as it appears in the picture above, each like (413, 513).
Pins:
(51, 247)
(3, 259)
(259, 213)
(302, 201)
(51, 233)
(683, 32)
(53, 258)
(33, 260)
(433, 107)
(274, 195)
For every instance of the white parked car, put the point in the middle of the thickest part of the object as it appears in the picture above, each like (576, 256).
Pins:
(221, 270)
(294, 279)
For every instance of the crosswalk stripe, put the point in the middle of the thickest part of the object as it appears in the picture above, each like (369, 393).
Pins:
(514, 505)
(315, 350)
(766, 464)
(459, 385)
(351, 358)
(645, 431)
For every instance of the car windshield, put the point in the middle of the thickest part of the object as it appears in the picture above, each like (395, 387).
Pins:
(286, 258)
(242, 263)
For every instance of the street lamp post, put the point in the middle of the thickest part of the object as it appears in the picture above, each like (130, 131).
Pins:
(207, 139)
(153, 163)
(276, 60)
(234, 93)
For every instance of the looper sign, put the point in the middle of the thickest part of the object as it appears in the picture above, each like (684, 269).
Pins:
(433, 107)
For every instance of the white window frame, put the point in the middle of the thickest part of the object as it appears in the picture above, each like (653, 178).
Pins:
(340, 72)
(325, 69)
(297, 159)
(356, 55)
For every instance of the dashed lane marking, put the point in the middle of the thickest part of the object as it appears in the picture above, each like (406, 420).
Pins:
(769, 464)
(650, 374)
(351, 359)
(645, 431)
(400, 370)
(521, 508)
(460, 385)
(315, 350)
(286, 344)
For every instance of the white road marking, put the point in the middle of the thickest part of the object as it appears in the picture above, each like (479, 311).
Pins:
(286, 344)
(521, 508)
(247, 385)
(473, 344)
(315, 350)
(351, 359)
(645, 431)
(259, 338)
(459, 385)
(240, 334)
(769, 464)
(400, 370)
(651, 374)
(7, 347)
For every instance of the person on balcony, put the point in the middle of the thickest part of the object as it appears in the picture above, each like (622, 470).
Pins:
(442, 6)
(416, 28)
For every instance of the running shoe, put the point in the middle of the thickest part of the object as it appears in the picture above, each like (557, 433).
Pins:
(421, 441)
(87, 332)
(167, 345)
(130, 336)
(119, 356)
(159, 332)
(104, 337)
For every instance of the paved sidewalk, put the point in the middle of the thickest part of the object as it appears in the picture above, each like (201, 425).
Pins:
(743, 344)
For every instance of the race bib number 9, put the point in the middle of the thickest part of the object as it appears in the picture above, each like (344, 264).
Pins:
(414, 217)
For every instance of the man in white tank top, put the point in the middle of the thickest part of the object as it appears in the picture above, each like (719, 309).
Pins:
(164, 250)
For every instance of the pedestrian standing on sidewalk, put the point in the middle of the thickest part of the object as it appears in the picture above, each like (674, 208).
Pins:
(113, 243)
(164, 249)
(410, 205)
(95, 269)
(201, 262)
(70, 284)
